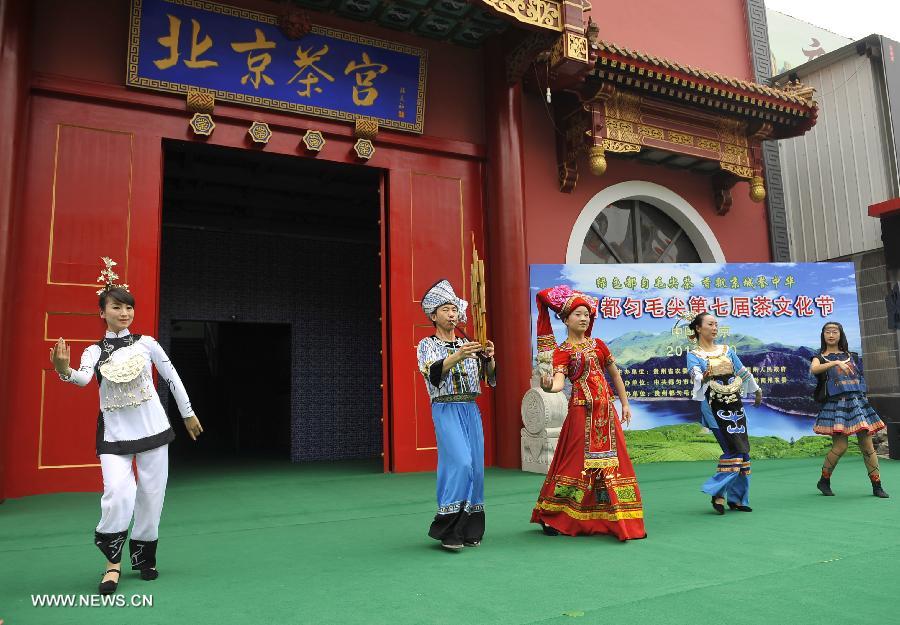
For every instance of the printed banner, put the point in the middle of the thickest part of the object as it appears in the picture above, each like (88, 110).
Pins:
(771, 313)
(242, 56)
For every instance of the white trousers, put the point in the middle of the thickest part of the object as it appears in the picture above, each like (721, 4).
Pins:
(123, 496)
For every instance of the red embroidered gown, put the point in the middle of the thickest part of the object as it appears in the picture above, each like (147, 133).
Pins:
(590, 487)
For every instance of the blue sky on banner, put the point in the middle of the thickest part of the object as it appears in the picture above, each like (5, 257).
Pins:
(836, 280)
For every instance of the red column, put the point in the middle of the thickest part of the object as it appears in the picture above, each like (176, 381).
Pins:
(14, 31)
(507, 277)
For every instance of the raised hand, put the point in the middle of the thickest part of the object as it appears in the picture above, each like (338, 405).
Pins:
(60, 357)
(489, 349)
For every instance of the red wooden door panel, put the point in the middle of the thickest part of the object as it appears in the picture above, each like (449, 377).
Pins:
(433, 215)
(94, 189)
(79, 203)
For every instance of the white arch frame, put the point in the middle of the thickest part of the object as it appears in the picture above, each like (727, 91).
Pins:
(666, 200)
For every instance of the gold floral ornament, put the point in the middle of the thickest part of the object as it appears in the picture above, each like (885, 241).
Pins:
(314, 140)
(260, 132)
(364, 149)
(202, 124)
(108, 277)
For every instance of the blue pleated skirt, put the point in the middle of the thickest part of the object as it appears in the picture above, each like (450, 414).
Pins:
(846, 414)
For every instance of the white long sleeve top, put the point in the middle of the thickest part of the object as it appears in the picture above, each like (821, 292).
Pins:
(132, 418)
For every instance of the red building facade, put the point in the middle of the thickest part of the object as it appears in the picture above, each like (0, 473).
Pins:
(83, 175)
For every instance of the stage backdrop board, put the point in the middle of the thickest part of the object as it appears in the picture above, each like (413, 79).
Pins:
(771, 313)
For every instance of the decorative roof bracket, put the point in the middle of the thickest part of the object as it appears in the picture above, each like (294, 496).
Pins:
(624, 123)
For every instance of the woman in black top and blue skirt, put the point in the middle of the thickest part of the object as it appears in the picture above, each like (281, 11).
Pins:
(846, 409)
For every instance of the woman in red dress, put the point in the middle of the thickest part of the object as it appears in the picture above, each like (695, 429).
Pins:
(590, 487)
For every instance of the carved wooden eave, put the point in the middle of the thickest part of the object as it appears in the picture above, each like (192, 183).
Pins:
(659, 111)
(555, 30)
(543, 14)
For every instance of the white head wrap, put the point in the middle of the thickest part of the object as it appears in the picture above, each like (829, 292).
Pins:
(442, 293)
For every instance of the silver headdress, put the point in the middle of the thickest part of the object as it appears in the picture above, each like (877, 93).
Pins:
(108, 277)
(685, 320)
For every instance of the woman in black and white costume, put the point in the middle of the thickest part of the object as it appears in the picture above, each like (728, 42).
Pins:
(132, 426)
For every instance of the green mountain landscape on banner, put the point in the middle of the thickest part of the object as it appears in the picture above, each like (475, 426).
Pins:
(690, 441)
(790, 391)
(637, 351)
(637, 347)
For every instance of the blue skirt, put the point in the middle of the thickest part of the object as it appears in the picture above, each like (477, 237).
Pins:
(460, 472)
(846, 414)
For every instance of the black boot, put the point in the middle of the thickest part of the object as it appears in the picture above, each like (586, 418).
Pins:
(737, 506)
(719, 508)
(824, 485)
(143, 558)
(111, 545)
(878, 491)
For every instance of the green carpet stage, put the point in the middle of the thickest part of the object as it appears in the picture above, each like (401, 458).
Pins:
(343, 544)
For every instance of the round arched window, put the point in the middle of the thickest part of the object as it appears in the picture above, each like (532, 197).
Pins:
(632, 231)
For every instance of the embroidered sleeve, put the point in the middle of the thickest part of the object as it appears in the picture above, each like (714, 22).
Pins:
(696, 366)
(749, 382)
(606, 357)
(85, 371)
(561, 360)
(431, 362)
(168, 373)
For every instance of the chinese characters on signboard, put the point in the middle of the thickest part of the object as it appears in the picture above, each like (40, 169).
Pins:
(243, 57)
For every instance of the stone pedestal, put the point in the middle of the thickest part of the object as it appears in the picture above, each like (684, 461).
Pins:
(542, 416)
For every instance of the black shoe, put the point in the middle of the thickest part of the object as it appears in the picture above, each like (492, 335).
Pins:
(878, 491)
(149, 575)
(735, 506)
(719, 508)
(471, 543)
(824, 485)
(109, 587)
(453, 544)
(549, 531)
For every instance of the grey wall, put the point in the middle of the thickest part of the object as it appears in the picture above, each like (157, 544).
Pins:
(833, 173)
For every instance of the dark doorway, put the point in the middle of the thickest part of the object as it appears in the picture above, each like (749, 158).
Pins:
(270, 302)
(238, 423)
